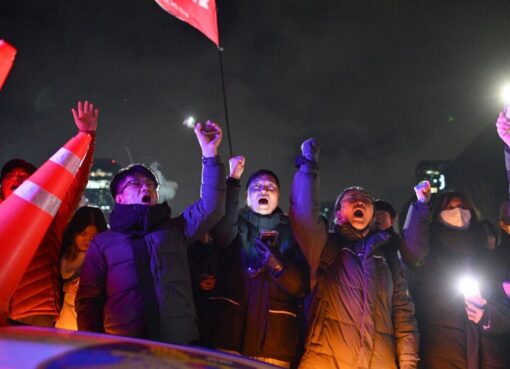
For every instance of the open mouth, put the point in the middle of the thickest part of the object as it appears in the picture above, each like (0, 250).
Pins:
(146, 199)
(358, 213)
(263, 201)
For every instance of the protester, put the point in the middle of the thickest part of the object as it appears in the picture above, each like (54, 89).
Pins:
(261, 320)
(384, 215)
(502, 252)
(83, 227)
(447, 244)
(36, 300)
(361, 313)
(135, 280)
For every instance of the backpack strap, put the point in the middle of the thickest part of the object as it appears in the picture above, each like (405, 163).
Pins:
(330, 252)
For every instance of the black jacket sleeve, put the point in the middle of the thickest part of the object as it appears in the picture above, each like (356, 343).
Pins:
(91, 296)
(415, 245)
(226, 230)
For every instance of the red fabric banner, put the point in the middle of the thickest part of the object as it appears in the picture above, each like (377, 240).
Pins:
(201, 14)
(7, 54)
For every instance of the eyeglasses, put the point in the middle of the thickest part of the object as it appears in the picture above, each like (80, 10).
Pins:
(138, 183)
(260, 186)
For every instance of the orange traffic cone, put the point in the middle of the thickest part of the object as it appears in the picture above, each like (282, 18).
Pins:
(7, 54)
(28, 212)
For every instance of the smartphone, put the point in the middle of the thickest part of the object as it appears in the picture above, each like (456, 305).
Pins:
(268, 236)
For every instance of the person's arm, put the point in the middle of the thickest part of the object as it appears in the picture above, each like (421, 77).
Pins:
(503, 128)
(404, 322)
(91, 296)
(307, 225)
(415, 246)
(226, 230)
(201, 216)
(85, 118)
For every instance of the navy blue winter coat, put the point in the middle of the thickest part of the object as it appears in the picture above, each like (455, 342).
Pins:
(148, 296)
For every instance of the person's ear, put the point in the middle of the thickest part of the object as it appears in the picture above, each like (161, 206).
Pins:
(119, 199)
(338, 216)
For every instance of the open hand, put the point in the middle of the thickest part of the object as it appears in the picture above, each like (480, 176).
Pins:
(85, 117)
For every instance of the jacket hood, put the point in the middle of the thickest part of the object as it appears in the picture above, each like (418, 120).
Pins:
(138, 219)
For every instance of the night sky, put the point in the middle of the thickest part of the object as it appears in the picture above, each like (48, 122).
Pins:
(382, 84)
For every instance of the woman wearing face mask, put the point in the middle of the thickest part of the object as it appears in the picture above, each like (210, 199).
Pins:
(83, 227)
(445, 242)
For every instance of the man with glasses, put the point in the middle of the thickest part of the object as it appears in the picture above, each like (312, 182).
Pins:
(361, 315)
(135, 280)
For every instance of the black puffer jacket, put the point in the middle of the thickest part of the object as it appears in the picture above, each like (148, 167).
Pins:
(449, 340)
(256, 316)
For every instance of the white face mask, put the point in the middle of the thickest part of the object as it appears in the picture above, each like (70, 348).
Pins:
(456, 218)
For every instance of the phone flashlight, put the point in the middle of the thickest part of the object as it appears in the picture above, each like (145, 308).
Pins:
(469, 287)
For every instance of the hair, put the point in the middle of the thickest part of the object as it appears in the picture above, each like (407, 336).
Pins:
(17, 163)
(385, 206)
(84, 217)
(490, 229)
(441, 202)
(130, 171)
(338, 204)
(260, 173)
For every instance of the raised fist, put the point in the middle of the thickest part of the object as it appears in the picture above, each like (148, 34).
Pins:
(209, 135)
(503, 127)
(423, 191)
(236, 166)
(310, 150)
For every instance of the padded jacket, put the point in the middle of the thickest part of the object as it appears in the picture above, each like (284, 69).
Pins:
(361, 315)
(150, 295)
(39, 291)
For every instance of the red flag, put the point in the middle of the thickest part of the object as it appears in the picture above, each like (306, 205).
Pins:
(201, 14)
(7, 53)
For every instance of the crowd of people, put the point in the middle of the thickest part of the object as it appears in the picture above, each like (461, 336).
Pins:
(235, 272)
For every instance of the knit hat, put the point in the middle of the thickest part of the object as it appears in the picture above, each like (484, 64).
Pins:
(17, 163)
(385, 206)
(128, 171)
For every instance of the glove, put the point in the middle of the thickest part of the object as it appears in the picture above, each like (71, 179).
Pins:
(310, 150)
(270, 255)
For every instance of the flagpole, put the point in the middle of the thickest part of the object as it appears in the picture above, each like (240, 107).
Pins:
(225, 106)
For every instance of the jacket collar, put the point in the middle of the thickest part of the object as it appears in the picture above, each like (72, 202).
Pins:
(269, 221)
(138, 219)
